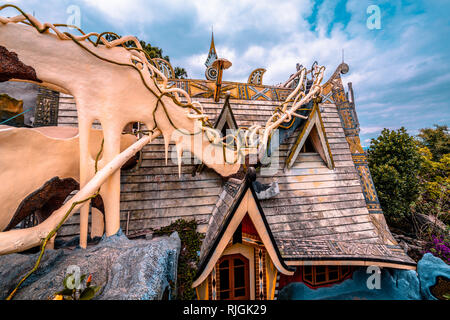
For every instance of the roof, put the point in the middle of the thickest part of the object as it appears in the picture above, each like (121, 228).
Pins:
(320, 213)
(237, 200)
(229, 198)
(226, 116)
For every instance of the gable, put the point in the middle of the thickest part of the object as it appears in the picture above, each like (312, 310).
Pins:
(225, 121)
(246, 209)
(313, 130)
(226, 117)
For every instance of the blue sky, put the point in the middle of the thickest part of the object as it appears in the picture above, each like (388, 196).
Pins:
(400, 73)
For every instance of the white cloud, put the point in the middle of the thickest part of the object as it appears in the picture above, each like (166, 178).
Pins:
(137, 11)
(365, 130)
(235, 15)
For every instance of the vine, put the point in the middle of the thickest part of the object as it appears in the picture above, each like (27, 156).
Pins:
(188, 260)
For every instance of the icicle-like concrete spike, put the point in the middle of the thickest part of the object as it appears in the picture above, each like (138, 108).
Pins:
(166, 138)
(179, 157)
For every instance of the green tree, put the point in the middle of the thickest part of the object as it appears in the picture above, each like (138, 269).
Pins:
(156, 52)
(180, 73)
(437, 140)
(394, 162)
(434, 196)
(153, 52)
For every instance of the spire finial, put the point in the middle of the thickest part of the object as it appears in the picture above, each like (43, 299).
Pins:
(212, 46)
(212, 55)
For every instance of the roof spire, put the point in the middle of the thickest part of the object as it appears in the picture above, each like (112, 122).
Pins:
(212, 55)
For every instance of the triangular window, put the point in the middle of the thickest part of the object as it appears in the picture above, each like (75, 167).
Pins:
(308, 147)
(225, 121)
(312, 139)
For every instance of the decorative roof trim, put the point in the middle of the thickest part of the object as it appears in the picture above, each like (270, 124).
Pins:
(256, 76)
(343, 68)
(246, 204)
(350, 262)
(320, 142)
(239, 91)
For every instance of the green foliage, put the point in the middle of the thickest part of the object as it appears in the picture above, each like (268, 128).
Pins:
(87, 291)
(180, 73)
(434, 198)
(437, 140)
(395, 162)
(412, 175)
(153, 52)
(156, 52)
(187, 263)
(434, 191)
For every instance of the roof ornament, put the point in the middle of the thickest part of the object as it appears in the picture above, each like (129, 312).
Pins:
(309, 82)
(211, 72)
(219, 65)
(292, 82)
(256, 76)
(343, 67)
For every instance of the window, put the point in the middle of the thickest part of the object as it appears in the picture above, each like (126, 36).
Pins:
(308, 146)
(224, 129)
(321, 275)
(233, 278)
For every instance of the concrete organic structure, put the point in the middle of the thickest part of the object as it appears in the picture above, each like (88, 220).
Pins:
(40, 154)
(117, 85)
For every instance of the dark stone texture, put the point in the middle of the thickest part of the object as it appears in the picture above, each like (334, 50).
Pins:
(11, 67)
(126, 269)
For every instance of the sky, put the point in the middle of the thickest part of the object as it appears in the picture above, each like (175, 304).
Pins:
(400, 71)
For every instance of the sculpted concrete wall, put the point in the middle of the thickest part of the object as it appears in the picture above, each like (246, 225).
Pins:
(31, 157)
